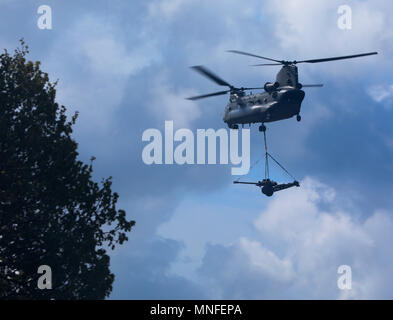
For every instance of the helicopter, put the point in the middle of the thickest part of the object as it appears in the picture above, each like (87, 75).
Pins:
(280, 100)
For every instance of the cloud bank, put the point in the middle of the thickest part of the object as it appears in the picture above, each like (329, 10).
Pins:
(304, 236)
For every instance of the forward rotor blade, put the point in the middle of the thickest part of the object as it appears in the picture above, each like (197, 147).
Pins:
(337, 58)
(253, 55)
(207, 73)
(208, 95)
(312, 85)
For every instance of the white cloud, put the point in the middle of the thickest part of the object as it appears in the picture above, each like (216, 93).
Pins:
(109, 49)
(309, 30)
(165, 9)
(309, 24)
(304, 237)
(266, 261)
(381, 93)
(108, 56)
(167, 103)
(105, 62)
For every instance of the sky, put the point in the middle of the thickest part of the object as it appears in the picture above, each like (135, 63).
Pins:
(124, 65)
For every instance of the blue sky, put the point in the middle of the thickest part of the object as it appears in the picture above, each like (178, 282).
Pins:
(124, 66)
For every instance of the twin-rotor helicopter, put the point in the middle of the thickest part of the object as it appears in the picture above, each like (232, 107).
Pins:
(280, 100)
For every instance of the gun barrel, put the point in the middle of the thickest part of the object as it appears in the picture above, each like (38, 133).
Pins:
(240, 182)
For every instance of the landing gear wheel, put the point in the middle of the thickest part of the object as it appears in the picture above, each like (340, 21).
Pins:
(298, 117)
(262, 128)
(235, 126)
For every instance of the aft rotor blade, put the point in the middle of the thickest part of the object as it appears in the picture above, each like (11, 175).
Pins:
(338, 58)
(208, 95)
(207, 73)
(312, 85)
(253, 55)
(265, 64)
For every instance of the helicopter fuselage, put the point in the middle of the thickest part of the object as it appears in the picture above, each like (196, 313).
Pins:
(282, 103)
(280, 100)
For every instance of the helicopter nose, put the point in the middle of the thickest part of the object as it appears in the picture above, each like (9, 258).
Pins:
(292, 96)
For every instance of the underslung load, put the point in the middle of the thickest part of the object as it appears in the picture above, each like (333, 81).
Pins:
(268, 186)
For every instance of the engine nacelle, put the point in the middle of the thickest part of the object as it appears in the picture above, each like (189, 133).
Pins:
(270, 87)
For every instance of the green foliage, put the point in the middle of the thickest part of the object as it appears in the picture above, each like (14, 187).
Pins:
(51, 211)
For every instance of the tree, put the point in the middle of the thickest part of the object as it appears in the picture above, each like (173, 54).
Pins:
(51, 211)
